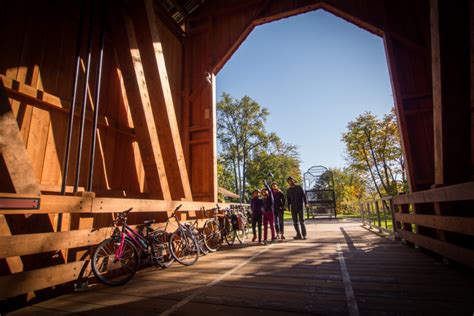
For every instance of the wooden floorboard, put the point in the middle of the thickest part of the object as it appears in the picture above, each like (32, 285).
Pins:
(289, 278)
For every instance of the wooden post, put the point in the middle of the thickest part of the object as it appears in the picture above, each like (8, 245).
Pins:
(450, 64)
(394, 222)
(405, 208)
(384, 208)
(377, 209)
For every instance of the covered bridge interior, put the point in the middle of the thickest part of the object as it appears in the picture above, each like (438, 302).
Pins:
(106, 105)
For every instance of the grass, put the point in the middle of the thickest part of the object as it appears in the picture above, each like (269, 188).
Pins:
(348, 215)
(389, 226)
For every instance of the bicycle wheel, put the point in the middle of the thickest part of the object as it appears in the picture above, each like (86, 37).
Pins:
(184, 248)
(110, 270)
(161, 249)
(230, 236)
(202, 245)
(212, 235)
(242, 234)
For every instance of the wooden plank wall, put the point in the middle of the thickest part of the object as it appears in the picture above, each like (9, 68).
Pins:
(41, 56)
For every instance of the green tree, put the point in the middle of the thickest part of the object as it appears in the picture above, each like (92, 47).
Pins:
(240, 130)
(373, 148)
(277, 157)
(349, 187)
(225, 178)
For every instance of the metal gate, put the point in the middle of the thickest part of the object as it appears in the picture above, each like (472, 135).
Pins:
(319, 189)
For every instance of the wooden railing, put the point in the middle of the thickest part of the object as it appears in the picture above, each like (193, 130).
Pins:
(425, 219)
(45, 257)
(378, 214)
(433, 230)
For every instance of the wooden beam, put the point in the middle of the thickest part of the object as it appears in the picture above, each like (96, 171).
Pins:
(47, 101)
(458, 192)
(77, 204)
(213, 142)
(19, 283)
(168, 99)
(170, 23)
(436, 83)
(460, 254)
(180, 8)
(450, 60)
(139, 170)
(28, 244)
(17, 163)
(463, 225)
(13, 150)
(137, 92)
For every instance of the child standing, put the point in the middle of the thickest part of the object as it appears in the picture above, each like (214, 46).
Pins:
(279, 210)
(256, 205)
(268, 217)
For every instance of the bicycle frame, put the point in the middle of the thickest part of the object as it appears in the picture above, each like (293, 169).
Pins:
(136, 239)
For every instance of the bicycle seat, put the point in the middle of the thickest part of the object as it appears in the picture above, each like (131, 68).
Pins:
(148, 223)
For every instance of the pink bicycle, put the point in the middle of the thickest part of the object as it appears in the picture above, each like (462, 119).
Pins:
(116, 259)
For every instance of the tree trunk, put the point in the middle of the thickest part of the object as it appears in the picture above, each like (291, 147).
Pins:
(366, 158)
(371, 149)
(236, 183)
(244, 175)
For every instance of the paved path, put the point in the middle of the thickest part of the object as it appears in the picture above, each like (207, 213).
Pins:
(340, 269)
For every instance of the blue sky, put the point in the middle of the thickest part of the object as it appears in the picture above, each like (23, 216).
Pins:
(315, 73)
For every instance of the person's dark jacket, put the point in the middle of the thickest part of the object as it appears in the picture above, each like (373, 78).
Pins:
(279, 201)
(296, 198)
(256, 205)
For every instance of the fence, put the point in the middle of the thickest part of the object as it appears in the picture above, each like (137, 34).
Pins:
(440, 220)
(378, 213)
(34, 255)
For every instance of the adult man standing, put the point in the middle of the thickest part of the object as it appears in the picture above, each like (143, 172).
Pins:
(296, 199)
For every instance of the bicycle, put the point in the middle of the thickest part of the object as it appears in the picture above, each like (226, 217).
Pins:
(183, 244)
(212, 231)
(240, 224)
(116, 259)
(227, 227)
(198, 235)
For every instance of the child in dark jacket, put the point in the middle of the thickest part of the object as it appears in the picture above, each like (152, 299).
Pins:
(279, 210)
(256, 205)
(268, 216)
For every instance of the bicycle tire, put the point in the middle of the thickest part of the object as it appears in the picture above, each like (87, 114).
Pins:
(230, 237)
(106, 251)
(160, 237)
(183, 245)
(212, 235)
(242, 234)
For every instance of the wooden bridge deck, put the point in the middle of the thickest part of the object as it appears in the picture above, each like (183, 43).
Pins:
(340, 269)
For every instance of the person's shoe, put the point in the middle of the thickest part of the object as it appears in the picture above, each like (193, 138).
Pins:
(304, 237)
(254, 238)
(282, 237)
(274, 240)
(297, 237)
(277, 236)
(264, 242)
